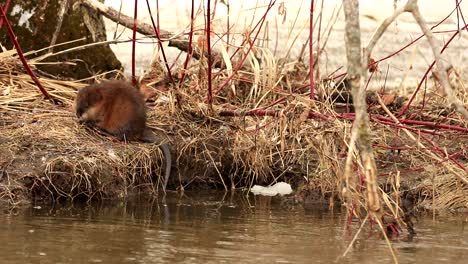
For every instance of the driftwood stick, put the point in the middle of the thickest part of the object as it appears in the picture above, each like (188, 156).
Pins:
(122, 19)
(175, 41)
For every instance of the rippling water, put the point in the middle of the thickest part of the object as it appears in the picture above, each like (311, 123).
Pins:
(212, 228)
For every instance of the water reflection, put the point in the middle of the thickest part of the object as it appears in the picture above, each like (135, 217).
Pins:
(210, 228)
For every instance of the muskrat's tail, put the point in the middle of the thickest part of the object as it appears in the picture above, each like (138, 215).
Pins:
(167, 155)
(150, 137)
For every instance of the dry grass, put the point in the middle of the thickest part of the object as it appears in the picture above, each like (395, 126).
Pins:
(46, 153)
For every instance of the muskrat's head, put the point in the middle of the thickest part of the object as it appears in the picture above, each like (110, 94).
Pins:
(86, 99)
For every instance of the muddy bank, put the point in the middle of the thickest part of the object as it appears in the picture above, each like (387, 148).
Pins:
(46, 154)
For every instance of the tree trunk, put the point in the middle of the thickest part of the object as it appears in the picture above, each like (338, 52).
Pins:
(360, 133)
(39, 24)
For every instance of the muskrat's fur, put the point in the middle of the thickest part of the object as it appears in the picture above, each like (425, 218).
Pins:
(118, 108)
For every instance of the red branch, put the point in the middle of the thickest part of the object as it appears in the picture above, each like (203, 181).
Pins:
(442, 152)
(134, 80)
(423, 123)
(21, 55)
(208, 44)
(311, 51)
(158, 36)
(403, 111)
(189, 50)
(375, 118)
(6, 7)
(239, 65)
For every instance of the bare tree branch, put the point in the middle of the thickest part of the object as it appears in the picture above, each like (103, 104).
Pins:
(380, 31)
(176, 41)
(360, 133)
(124, 20)
(441, 69)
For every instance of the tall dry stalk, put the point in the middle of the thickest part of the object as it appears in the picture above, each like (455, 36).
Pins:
(360, 133)
(134, 80)
(311, 50)
(210, 59)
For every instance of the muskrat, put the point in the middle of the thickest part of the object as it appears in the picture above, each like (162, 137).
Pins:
(118, 108)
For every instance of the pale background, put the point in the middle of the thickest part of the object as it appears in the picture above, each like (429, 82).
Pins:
(408, 66)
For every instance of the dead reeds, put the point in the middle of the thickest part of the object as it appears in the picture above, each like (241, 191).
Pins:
(262, 127)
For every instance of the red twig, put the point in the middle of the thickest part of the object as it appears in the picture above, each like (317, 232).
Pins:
(317, 73)
(259, 23)
(393, 124)
(5, 8)
(208, 44)
(435, 125)
(460, 14)
(189, 51)
(21, 56)
(134, 80)
(264, 112)
(409, 44)
(403, 111)
(376, 118)
(349, 217)
(415, 40)
(442, 152)
(158, 36)
(433, 144)
(239, 65)
(311, 51)
(228, 22)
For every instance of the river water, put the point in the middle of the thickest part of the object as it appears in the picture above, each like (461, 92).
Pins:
(213, 228)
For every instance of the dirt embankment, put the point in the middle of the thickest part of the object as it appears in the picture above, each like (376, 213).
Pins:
(46, 154)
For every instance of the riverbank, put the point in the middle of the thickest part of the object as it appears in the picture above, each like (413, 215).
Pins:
(46, 154)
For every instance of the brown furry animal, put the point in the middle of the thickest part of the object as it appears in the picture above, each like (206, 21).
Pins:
(117, 108)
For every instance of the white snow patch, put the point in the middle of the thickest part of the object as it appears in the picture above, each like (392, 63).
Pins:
(280, 188)
(25, 16)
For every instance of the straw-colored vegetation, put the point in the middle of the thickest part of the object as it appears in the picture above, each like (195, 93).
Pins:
(261, 128)
(46, 153)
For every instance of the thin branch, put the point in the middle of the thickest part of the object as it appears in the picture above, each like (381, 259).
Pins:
(134, 80)
(190, 43)
(174, 40)
(158, 36)
(311, 51)
(440, 70)
(208, 44)
(422, 147)
(63, 9)
(5, 8)
(250, 46)
(22, 58)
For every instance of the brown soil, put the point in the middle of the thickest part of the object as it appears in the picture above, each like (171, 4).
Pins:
(46, 154)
